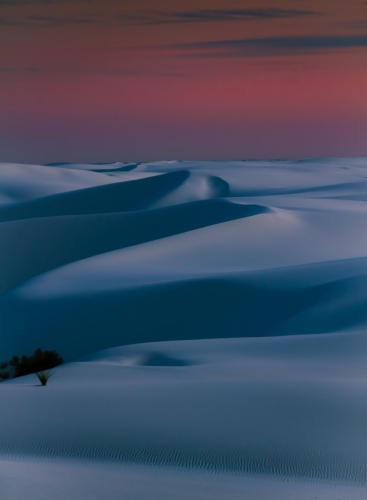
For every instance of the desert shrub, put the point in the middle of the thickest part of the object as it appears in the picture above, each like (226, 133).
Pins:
(43, 377)
(39, 361)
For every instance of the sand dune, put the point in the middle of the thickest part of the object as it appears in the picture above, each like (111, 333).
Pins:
(296, 300)
(213, 316)
(116, 197)
(20, 183)
(107, 198)
(74, 237)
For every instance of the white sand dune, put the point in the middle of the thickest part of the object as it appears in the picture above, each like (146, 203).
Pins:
(126, 269)
(21, 182)
(74, 237)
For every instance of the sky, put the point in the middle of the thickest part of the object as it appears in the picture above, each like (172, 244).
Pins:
(109, 80)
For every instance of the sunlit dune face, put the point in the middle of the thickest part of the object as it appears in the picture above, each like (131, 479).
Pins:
(91, 80)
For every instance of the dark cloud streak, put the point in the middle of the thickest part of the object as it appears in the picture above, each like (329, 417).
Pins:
(14, 3)
(148, 17)
(44, 21)
(215, 15)
(272, 46)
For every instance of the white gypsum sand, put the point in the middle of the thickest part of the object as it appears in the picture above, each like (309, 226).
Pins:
(212, 316)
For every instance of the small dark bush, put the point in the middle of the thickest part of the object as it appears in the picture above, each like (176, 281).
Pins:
(43, 377)
(39, 361)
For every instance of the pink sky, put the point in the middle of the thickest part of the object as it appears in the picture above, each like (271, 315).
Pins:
(105, 81)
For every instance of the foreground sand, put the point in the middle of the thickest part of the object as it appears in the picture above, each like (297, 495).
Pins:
(272, 253)
(284, 416)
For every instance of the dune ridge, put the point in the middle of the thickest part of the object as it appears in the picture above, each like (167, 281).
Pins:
(75, 237)
(107, 198)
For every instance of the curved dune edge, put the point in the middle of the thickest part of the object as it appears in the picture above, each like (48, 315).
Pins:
(115, 197)
(123, 196)
(297, 300)
(24, 254)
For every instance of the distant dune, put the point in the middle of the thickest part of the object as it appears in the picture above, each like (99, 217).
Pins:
(213, 316)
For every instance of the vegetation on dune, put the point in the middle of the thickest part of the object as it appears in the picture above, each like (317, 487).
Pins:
(38, 362)
(43, 377)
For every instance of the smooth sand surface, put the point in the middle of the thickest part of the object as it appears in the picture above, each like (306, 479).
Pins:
(213, 319)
